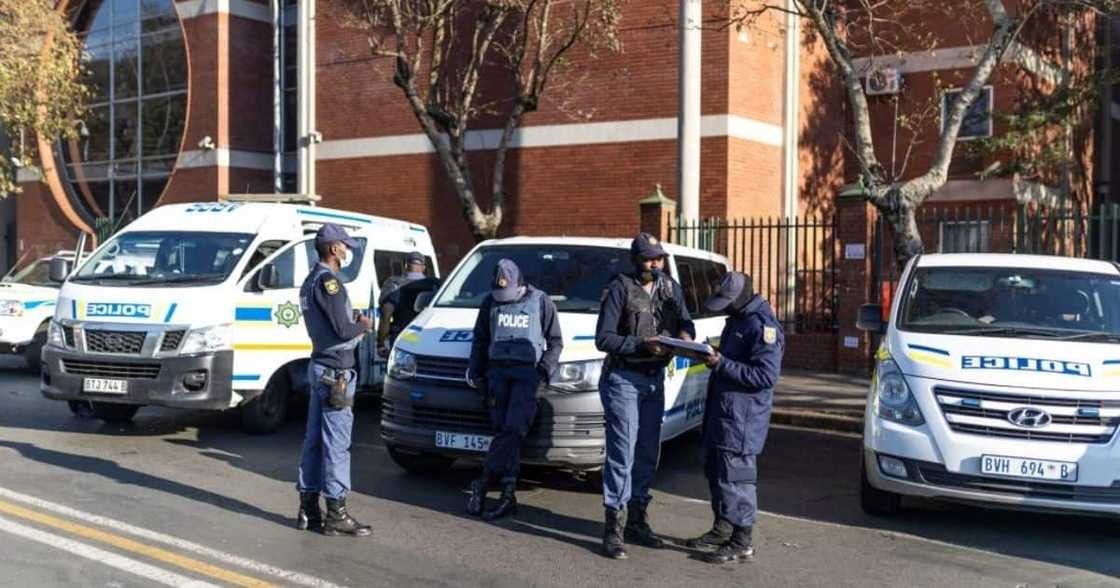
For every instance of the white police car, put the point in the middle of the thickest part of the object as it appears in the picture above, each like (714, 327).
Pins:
(27, 301)
(997, 382)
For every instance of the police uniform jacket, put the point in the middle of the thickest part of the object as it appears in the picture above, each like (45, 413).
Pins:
(741, 387)
(550, 329)
(329, 319)
(615, 334)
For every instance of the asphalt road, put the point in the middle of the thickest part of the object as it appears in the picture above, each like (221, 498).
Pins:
(187, 499)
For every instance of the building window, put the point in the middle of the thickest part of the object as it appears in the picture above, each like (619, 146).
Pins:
(977, 120)
(965, 237)
(127, 145)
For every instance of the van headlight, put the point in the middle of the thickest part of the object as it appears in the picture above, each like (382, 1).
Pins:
(402, 364)
(892, 397)
(55, 336)
(577, 376)
(11, 308)
(208, 340)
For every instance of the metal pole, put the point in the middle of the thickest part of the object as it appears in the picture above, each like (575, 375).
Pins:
(688, 119)
(306, 97)
(791, 123)
(277, 100)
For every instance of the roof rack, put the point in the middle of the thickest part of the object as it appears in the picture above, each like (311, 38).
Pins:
(281, 198)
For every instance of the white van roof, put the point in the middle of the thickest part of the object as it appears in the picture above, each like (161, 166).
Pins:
(1018, 260)
(671, 248)
(238, 217)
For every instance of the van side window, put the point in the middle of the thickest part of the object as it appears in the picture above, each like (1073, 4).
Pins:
(389, 264)
(266, 249)
(688, 284)
(348, 273)
(699, 279)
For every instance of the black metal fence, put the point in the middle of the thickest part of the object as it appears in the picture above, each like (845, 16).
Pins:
(792, 261)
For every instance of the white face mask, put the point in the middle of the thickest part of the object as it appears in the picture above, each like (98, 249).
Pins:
(347, 257)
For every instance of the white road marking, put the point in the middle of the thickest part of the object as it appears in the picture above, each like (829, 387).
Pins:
(287, 576)
(108, 558)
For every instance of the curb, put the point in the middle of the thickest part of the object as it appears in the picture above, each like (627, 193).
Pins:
(817, 420)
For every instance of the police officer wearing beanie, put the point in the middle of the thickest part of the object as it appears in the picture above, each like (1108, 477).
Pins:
(335, 332)
(398, 300)
(745, 370)
(636, 309)
(516, 347)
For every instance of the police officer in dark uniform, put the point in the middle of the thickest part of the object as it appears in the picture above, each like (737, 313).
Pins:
(636, 309)
(335, 332)
(398, 300)
(516, 347)
(737, 414)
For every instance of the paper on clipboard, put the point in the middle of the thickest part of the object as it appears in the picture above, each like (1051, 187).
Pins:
(686, 348)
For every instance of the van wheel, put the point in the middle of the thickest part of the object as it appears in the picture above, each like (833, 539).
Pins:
(33, 355)
(591, 480)
(111, 412)
(874, 501)
(420, 463)
(265, 413)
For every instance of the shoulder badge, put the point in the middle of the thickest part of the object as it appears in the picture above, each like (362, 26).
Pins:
(332, 286)
(769, 335)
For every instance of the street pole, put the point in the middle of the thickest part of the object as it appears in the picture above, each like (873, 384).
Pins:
(688, 119)
(308, 137)
(277, 100)
(791, 124)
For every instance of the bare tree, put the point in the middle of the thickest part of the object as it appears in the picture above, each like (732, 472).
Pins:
(852, 29)
(444, 51)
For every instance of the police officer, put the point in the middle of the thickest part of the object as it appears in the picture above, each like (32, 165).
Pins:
(737, 414)
(516, 346)
(636, 309)
(398, 300)
(335, 331)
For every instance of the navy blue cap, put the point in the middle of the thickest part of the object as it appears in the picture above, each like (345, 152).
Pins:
(731, 288)
(332, 233)
(507, 281)
(646, 246)
(417, 257)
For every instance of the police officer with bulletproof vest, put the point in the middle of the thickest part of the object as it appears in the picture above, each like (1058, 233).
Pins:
(636, 309)
(737, 414)
(335, 332)
(516, 347)
(398, 300)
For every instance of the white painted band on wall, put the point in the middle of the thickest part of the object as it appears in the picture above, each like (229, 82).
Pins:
(233, 158)
(654, 129)
(242, 8)
(25, 175)
(959, 58)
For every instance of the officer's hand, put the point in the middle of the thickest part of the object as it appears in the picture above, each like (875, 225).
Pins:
(685, 336)
(654, 346)
(383, 351)
(713, 359)
(366, 323)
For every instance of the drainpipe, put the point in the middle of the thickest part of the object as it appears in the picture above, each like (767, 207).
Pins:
(308, 136)
(791, 122)
(277, 99)
(688, 118)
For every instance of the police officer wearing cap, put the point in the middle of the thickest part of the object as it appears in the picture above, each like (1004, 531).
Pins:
(398, 300)
(516, 347)
(636, 309)
(745, 370)
(335, 331)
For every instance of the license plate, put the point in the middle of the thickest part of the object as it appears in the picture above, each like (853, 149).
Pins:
(463, 441)
(105, 386)
(1035, 469)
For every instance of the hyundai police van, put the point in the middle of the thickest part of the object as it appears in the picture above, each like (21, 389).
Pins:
(430, 416)
(197, 306)
(997, 382)
(27, 300)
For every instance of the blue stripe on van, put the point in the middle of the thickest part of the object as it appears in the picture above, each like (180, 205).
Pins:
(170, 312)
(252, 314)
(335, 215)
(583, 338)
(1112, 362)
(246, 377)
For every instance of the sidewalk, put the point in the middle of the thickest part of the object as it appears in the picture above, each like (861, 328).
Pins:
(820, 400)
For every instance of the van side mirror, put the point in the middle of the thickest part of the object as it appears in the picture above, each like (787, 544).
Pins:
(870, 318)
(268, 278)
(423, 300)
(59, 270)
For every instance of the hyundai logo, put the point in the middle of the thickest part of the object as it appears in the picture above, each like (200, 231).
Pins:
(1029, 418)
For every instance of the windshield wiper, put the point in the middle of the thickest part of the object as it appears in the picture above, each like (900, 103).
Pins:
(180, 279)
(1039, 331)
(1115, 337)
(107, 278)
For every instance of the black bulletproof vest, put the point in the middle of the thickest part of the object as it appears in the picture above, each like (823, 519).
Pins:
(649, 315)
(405, 311)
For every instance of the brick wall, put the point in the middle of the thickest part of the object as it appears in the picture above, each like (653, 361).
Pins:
(810, 351)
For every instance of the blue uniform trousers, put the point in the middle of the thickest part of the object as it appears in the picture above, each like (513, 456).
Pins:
(514, 392)
(732, 479)
(633, 403)
(325, 462)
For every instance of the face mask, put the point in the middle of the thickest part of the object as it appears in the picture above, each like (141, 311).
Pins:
(346, 258)
(651, 276)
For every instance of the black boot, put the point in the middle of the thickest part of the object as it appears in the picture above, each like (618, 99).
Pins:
(507, 503)
(719, 534)
(339, 521)
(612, 534)
(477, 502)
(738, 548)
(310, 517)
(638, 530)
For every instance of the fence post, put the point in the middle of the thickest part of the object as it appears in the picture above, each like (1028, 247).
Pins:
(658, 216)
(855, 219)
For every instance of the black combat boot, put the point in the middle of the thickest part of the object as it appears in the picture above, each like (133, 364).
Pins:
(310, 517)
(507, 503)
(339, 521)
(738, 548)
(477, 502)
(638, 530)
(719, 534)
(612, 534)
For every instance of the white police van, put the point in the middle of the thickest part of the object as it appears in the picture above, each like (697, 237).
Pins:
(430, 416)
(27, 301)
(997, 382)
(197, 306)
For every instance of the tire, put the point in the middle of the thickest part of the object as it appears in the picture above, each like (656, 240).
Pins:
(592, 481)
(265, 413)
(33, 355)
(115, 413)
(420, 463)
(874, 501)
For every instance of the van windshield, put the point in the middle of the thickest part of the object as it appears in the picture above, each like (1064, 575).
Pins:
(1010, 302)
(177, 258)
(573, 276)
(36, 274)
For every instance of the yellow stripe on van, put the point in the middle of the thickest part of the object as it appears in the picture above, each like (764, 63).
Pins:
(410, 337)
(1111, 373)
(930, 359)
(272, 347)
(696, 369)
